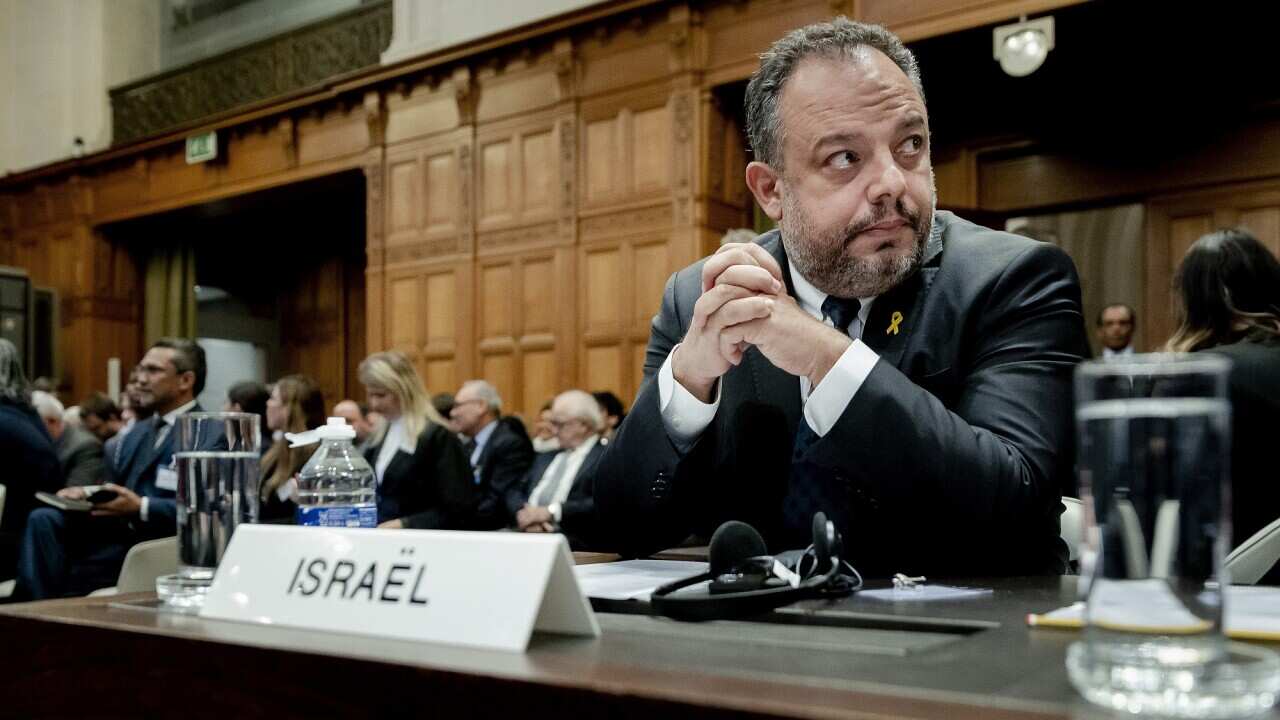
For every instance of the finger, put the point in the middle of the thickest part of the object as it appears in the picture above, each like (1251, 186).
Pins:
(731, 351)
(726, 257)
(740, 311)
(764, 260)
(712, 300)
(751, 277)
(747, 332)
(739, 254)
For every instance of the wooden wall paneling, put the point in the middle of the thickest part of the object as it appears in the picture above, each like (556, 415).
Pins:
(627, 147)
(447, 358)
(419, 107)
(624, 53)
(737, 32)
(338, 131)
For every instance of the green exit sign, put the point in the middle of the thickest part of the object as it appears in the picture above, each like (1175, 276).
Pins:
(202, 148)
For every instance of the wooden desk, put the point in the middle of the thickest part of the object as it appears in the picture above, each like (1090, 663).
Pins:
(967, 659)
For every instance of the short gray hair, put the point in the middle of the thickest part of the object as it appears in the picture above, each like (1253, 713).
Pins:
(840, 38)
(13, 382)
(47, 406)
(583, 406)
(486, 392)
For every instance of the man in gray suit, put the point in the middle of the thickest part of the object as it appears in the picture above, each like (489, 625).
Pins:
(893, 365)
(79, 452)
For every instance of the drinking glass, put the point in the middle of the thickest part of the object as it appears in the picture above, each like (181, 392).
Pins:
(1153, 455)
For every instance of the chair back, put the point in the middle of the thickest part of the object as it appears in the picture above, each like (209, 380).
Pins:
(1253, 558)
(147, 561)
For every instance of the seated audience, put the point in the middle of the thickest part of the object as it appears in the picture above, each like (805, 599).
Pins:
(358, 417)
(614, 412)
(497, 447)
(101, 416)
(296, 405)
(556, 494)
(70, 553)
(30, 463)
(1229, 290)
(424, 480)
(544, 433)
(250, 396)
(79, 452)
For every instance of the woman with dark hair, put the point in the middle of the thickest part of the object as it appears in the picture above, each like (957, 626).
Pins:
(30, 463)
(1229, 287)
(295, 405)
(250, 396)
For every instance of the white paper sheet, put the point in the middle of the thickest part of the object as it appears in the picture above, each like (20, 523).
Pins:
(633, 579)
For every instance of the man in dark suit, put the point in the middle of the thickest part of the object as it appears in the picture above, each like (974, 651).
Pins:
(79, 452)
(498, 449)
(30, 464)
(899, 368)
(556, 494)
(65, 553)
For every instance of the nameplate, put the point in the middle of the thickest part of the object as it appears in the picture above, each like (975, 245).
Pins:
(483, 589)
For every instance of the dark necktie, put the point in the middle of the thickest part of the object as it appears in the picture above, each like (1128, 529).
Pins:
(842, 311)
(469, 447)
(814, 488)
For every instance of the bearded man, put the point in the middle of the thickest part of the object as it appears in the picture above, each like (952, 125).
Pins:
(899, 368)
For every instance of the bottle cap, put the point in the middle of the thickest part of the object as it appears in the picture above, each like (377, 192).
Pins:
(335, 429)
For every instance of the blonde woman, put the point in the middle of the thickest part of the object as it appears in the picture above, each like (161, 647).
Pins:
(295, 404)
(424, 477)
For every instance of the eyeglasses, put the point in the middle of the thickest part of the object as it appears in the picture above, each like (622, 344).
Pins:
(558, 423)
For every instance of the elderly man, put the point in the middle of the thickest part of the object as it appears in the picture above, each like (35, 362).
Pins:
(556, 493)
(498, 449)
(893, 365)
(73, 553)
(79, 452)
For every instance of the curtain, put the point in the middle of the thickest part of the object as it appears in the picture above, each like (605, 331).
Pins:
(170, 299)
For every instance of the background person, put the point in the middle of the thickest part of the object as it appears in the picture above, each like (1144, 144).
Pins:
(424, 479)
(295, 405)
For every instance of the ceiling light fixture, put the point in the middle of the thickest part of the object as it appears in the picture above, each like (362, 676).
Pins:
(1022, 47)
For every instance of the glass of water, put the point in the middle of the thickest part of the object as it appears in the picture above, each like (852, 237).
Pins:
(216, 456)
(1153, 453)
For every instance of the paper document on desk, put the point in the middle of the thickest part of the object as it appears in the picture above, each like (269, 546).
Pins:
(925, 592)
(633, 579)
(1252, 613)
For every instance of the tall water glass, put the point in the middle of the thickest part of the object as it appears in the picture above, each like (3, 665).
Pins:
(1154, 447)
(217, 461)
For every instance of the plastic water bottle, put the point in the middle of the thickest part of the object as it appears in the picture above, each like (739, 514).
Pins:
(336, 486)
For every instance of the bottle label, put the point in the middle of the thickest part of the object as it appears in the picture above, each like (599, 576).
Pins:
(354, 516)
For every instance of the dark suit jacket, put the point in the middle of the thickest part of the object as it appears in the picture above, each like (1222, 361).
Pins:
(80, 454)
(29, 465)
(951, 454)
(503, 462)
(578, 511)
(1255, 414)
(140, 458)
(430, 489)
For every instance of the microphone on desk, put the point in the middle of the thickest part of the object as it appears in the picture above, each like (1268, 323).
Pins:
(745, 581)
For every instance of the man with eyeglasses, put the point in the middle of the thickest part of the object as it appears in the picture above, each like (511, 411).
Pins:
(556, 494)
(497, 447)
(68, 553)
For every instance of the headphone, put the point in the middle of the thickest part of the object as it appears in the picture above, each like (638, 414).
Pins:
(746, 581)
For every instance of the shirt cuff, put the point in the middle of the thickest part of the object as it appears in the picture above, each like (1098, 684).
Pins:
(829, 399)
(142, 509)
(683, 415)
(555, 509)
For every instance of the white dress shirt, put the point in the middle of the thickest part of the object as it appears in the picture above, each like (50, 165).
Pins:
(395, 440)
(573, 459)
(170, 418)
(1121, 354)
(685, 416)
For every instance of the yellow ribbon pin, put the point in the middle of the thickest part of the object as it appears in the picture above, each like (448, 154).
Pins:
(894, 321)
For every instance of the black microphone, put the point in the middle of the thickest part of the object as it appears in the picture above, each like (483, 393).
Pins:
(733, 542)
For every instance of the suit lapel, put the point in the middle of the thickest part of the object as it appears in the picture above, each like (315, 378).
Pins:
(895, 314)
